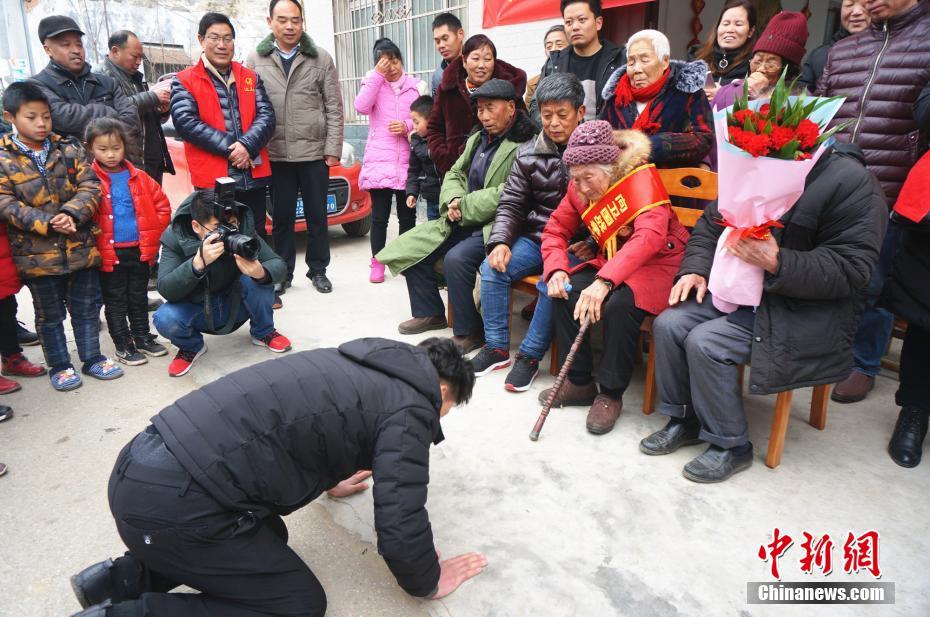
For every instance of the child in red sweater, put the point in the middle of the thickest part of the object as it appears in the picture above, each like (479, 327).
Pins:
(133, 213)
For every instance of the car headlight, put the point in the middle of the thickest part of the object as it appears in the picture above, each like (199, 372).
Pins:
(348, 155)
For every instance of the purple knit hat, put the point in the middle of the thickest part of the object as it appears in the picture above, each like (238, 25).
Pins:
(591, 142)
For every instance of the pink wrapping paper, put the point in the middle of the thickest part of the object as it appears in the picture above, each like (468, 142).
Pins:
(751, 191)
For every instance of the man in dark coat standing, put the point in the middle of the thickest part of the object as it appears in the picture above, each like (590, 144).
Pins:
(198, 496)
(881, 71)
(800, 335)
(76, 95)
(148, 149)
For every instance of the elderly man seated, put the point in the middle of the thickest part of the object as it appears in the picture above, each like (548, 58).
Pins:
(800, 334)
(468, 200)
(537, 183)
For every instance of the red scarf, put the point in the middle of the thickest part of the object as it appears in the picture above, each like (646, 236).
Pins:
(626, 94)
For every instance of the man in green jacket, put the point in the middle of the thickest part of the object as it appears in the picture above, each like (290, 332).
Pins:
(468, 202)
(208, 288)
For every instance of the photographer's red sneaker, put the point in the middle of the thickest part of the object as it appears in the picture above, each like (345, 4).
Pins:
(276, 342)
(183, 362)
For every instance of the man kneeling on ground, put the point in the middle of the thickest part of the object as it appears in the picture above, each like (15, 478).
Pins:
(196, 511)
(208, 288)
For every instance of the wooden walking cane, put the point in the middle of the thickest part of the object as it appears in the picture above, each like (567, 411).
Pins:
(560, 379)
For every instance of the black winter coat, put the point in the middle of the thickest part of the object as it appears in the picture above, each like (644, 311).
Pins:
(75, 100)
(817, 60)
(272, 437)
(537, 183)
(907, 291)
(612, 57)
(810, 308)
(189, 126)
(882, 71)
(149, 137)
(422, 178)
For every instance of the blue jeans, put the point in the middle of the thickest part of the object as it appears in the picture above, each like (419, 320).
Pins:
(183, 323)
(432, 210)
(876, 323)
(525, 260)
(79, 293)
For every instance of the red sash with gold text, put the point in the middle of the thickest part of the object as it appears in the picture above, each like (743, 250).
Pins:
(639, 191)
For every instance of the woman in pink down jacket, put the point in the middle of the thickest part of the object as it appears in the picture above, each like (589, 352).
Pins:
(385, 97)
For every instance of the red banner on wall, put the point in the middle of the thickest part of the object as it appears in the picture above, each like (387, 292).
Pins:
(502, 12)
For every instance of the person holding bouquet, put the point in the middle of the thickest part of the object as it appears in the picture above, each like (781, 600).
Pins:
(795, 326)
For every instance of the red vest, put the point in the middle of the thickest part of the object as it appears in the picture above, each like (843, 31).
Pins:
(205, 167)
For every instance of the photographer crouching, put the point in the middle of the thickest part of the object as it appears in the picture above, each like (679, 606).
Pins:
(215, 274)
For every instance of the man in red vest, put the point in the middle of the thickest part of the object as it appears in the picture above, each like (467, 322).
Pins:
(221, 111)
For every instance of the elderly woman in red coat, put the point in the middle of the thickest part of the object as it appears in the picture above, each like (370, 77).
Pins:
(641, 244)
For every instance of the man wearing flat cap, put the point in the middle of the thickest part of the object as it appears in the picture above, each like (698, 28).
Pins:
(76, 95)
(467, 205)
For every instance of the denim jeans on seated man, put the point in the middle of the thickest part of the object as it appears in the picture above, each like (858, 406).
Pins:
(183, 323)
(525, 260)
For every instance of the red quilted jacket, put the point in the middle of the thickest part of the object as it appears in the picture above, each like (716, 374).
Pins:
(9, 278)
(153, 213)
(647, 262)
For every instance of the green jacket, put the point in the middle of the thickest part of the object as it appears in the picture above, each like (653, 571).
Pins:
(478, 207)
(176, 279)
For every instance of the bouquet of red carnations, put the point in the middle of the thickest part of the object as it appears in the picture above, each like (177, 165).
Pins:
(765, 149)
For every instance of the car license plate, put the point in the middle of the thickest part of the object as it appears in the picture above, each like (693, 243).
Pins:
(331, 206)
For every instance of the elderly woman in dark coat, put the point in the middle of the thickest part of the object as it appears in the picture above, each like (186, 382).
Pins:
(454, 115)
(664, 99)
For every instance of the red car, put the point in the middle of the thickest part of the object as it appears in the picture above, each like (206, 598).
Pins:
(346, 204)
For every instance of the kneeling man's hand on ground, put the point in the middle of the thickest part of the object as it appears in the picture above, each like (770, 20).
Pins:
(352, 485)
(453, 572)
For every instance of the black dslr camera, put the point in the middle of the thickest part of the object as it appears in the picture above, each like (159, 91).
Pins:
(224, 205)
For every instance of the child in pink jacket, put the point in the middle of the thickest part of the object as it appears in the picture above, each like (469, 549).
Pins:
(385, 97)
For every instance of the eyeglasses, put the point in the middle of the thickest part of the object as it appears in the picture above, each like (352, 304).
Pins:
(217, 39)
(770, 65)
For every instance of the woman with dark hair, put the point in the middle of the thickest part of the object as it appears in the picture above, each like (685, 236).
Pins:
(727, 52)
(385, 97)
(454, 115)
(781, 45)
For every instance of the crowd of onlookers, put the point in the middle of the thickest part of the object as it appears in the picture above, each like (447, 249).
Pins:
(510, 169)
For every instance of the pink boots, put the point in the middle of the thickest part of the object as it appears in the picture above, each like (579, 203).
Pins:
(377, 271)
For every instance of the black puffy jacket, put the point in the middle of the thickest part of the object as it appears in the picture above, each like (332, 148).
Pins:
(190, 127)
(272, 437)
(422, 177)
(537, 183)
(810, 308)
(817, 59)
(75, 100)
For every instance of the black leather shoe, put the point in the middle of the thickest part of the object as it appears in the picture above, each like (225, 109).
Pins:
(675, 435)
(320, 282)
(98, 610)
(93, 584)
(716, 465)
(906, 445)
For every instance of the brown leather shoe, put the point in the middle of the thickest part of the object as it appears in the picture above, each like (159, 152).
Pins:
(603, 414)
(854, 388)
(418, 325)
(469, 342)
(571, 395)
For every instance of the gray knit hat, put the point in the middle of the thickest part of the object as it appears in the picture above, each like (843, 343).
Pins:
(591, 142)
(495, 89)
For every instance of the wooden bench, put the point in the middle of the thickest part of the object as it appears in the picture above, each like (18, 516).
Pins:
(700, 184)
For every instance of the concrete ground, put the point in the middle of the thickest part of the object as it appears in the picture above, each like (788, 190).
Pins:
(571, 525)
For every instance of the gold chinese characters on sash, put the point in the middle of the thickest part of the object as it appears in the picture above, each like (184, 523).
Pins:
(613, 214)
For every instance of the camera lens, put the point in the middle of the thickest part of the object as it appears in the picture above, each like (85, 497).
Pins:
(242, 245)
